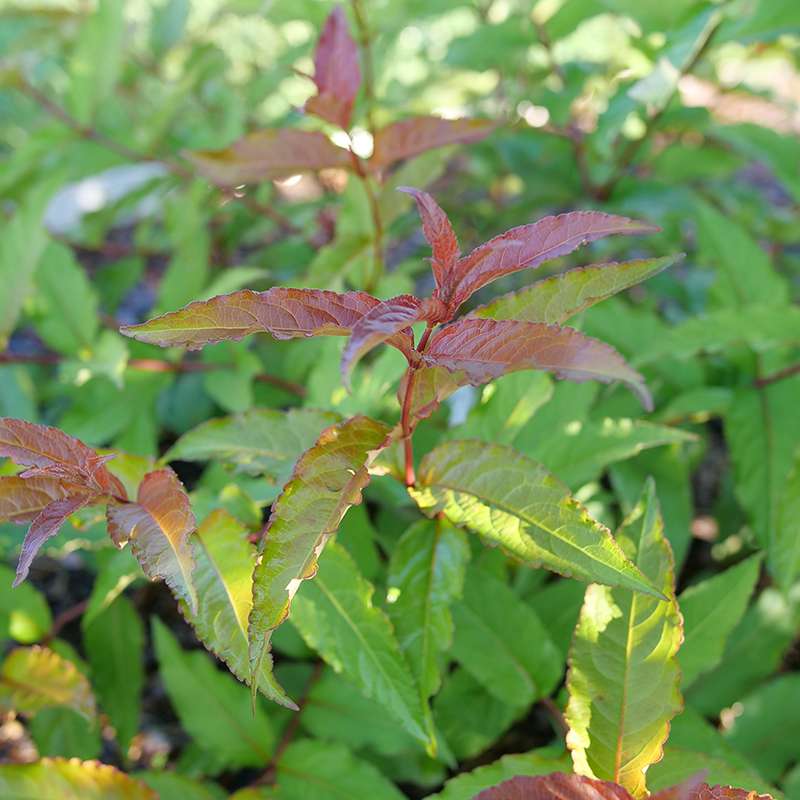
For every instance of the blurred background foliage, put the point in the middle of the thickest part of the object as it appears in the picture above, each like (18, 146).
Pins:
(683, 113)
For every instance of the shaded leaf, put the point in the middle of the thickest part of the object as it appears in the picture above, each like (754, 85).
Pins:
(410, 137)
(33, 678)
(702, 791)
(158, 526)
(624, 679)
(527, 246)
(336, 617)
(484, 349)
(22, 499)
(70, 780)
(336, 72)
(174, 786)
(555, 299)
(327, 480)
(564, 787)
(60, 731)
(276, 153)
(784, 549)
(512, 501)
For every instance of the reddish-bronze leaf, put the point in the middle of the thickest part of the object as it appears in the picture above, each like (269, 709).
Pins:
(485, 349)
(555, 785)
(336, 72)
(284, 313)
(431, 386)
(275, 153)
(159, 526)
(52, 453)
(410, 137)
(527, 246)
(22, 499)
(439, 233)
(694, 790)
(45, 525)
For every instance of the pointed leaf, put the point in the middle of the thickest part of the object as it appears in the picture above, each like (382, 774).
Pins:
(784, 549)
(269, 154)
(485, 349)
(336, 617)
(22, 499)
(512, 501)
(554, 300)
(33, 678)
(624, 679)
(327, 480)
(692, 790)
(426, 574)
(555, 785)
(158, 526)
(223, 577)
(528, 246)
(260, 441)
(439, 233)
(46, 525)
(410, 137)
(284, 313)
(336, 72)
(70, 779)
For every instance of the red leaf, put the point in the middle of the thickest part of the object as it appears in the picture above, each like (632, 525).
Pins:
(158, 526)
(410, 137)
(336, 72)
(439, 233)
(51, 452)
(485, 349)
(45, 525)
(22, 499)
(275, 153)
(527, 246)
(694, 790)
(284, 313)
(556, 786)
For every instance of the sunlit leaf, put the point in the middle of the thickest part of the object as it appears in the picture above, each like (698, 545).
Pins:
(22, 499)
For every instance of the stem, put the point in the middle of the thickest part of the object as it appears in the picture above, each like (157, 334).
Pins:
(365, 43)
(774, 377)
(377, 223)
(405, 417)
(64, 618)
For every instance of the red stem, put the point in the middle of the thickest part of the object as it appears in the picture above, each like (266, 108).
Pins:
(405, 417)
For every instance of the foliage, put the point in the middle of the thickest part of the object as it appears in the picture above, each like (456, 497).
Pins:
(446, 531)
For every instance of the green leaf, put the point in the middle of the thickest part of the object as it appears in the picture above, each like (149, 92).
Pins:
(118, 569)
(33, 678)
(62, 779)
(66, 302)
(224, 724)
(537, 762)
(711, 610)
(624, 678)
(513, 501)
(336, 617)
(784, 551)
(557, 298)
(223, 575)
(261, 441)
(766, 728)
(174, 786)
(168, 24)
(502, 643)
(327, 771)
(426, 574)
(558, 605)
(114, 645)
(24, 613)
(64, 732)
(326, 481)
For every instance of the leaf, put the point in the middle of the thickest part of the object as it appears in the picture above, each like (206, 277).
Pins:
(466, 785)
(23, 499)
(711, 610)
(33, 678)
(410, 137)
(439, 234)
(174, 786)
(116, 571)
(223, 577)
(336, 617)
(624, 678)
(502, 643)
(784, 551)
(426, 574)
(46, 525)
(24, 613)
(431, 387)
(485, 349)
(557, 298)
(114, 644)
(327, 480)
(564, 787)
(284, 313)
(158, 526)
(269, 154)
(70, 780)
(512, 501)
(63, 732)
(702, 791)
(259, 441)
(336, 72)
(332, 771)
(527, 246)
(224, 724)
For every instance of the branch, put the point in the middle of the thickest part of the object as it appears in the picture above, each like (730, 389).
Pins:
(781, 374)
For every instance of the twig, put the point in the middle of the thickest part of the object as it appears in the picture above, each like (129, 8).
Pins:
(555, 714)
(64, 618)
(405, 417)
(774, 377)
